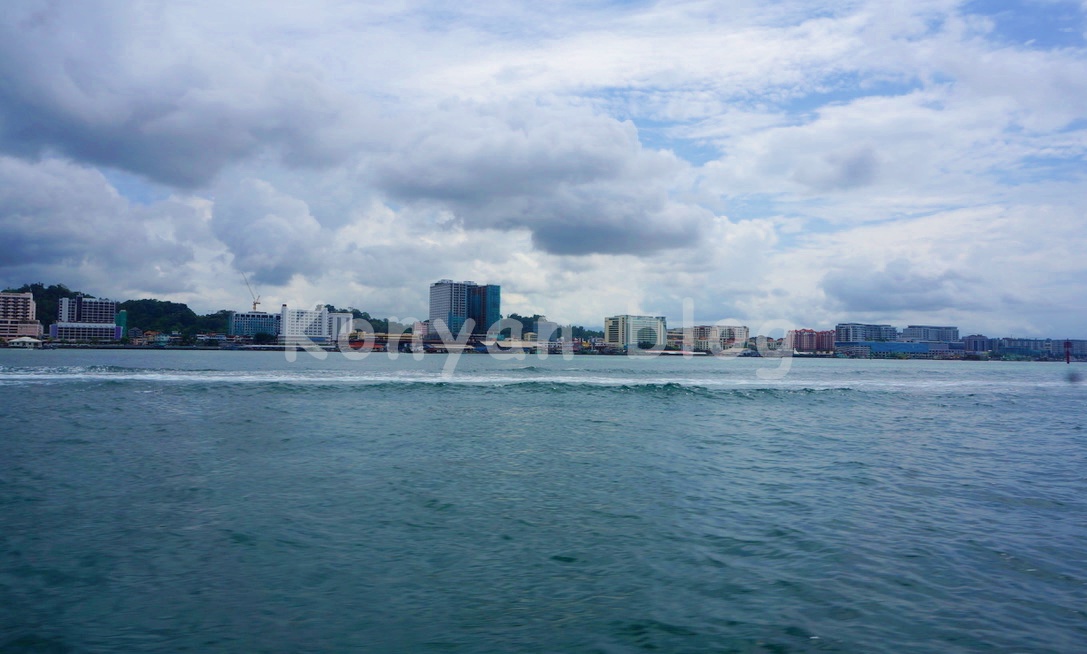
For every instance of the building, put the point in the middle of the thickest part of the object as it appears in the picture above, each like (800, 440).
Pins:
(732, 334)
(86, 310)
(1023, 347)
(890, 350)
(708, 338)
(88, 319)
(453, 303)
(853, 332)
(484, 306)
(977, 344)
(340, 326)
(642, 332)
(930, 333)
(547, 330)
(303, 326)
(251, 323)
(18, 316)
(809, 340)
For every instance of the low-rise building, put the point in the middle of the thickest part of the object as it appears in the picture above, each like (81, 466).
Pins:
(251, 323)
(854, 332)
(930, 333)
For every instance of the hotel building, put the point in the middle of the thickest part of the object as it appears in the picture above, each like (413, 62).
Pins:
(627, 331)
(251, 323)
(88, 319)
(18, 313)
(453, 303)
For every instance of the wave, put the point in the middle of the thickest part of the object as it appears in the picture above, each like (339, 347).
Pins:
(529, 378)
(311, 381)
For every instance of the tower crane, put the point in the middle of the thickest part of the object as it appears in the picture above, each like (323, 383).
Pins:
(256, 298)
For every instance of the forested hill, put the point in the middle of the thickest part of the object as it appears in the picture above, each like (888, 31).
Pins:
(164, 316)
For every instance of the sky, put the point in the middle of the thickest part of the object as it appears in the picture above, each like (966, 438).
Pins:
(792, 162)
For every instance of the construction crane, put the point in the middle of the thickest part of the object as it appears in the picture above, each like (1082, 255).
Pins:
(256, 298)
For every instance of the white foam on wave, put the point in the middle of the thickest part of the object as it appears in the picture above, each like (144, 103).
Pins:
(79, 374)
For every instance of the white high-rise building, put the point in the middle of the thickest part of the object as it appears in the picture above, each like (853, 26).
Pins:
(340, 327)
(448, 305)
(88, 319)
(627, 331)
(303, 326)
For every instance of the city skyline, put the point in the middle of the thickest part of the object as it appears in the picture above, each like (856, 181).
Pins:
(854, 331)
(905, 163)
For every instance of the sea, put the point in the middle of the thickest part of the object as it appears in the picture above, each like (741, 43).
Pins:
(202, 501)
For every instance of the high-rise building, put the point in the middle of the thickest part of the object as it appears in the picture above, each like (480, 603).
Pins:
(86, 310)
(627, 331)
(340, 327)
(452, 303)
(484, 306)
(88, 319)
(18, 313)
(303, 326)
(18, 306)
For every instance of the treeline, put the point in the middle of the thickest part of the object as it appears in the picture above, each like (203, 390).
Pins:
(169, 317)
(528, 324)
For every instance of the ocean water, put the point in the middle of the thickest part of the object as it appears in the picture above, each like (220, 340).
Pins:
(238, 502)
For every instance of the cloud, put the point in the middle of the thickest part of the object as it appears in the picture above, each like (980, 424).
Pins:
(56, 215)
(133, 90)
(580, 182)
(899, 286)
(270, 234)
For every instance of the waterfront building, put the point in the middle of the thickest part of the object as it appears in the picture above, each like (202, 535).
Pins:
(88, 319)
(733, 334)
(891, 349)
(627, 331)
(18, 316)
(251, 323)
(977, 344)
(547, 330)
(86, 310)
(930, 333)
(810, 340)
(1025, 347)
(452, 303)
(340, 327)
(484, 306)
(1078, 347)
(708, 338)
(303, 326)
(853, 332)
